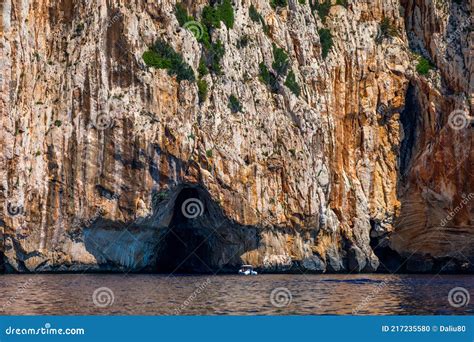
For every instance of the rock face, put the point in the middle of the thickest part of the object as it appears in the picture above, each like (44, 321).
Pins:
(437, 215)
(110, 164)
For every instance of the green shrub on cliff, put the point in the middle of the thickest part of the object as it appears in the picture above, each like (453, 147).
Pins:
(292, 84)
(280, 65)
(257, 17)
(226, 13)
(234, 104)
(202, 69)
(280, 60)
(322, 8)
(214, 51)
(253, 14)
(210, 17)
(325, 37)
(213, 15)
(424, 66)
(343, 3)
(386, 29)
(181, 14)
(278, 3)
(202, 90)
(162, 56)
(215, 54)
(267, 77)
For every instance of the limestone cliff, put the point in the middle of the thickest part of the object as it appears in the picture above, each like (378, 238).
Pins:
(337, 156)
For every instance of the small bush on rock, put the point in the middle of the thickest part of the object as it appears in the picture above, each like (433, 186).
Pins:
(226, 13)
(278, 3)
(424, 66)
(163, 56)
(234, 104)
(267, 77)
(181, 14)
(325, 37)
(202, 90)
(322, 8)
(386, 29)
(280, 60)
(292, 84)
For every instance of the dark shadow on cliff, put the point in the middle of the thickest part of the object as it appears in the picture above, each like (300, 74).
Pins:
(187, 232)
(390, 260)
(410, 125)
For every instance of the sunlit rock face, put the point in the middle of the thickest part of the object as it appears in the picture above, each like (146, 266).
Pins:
(100, 152)
(437, 183)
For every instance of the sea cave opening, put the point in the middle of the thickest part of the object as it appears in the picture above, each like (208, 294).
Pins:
(188, 244)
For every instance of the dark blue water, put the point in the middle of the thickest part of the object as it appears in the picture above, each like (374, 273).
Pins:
(98, 294)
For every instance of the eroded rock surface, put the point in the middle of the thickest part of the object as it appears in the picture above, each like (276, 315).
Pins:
(100, 151)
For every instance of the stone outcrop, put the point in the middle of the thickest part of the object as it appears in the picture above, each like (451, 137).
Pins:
(100, 152)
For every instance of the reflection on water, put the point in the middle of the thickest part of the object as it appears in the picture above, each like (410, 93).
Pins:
(62, 294)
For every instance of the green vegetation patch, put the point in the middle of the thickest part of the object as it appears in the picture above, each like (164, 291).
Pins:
(181, 14)
(278, 3)
(325, 37)
(322, 8)
(234, 104)
(199, 30)
(256, 17)
(343, 3)
(202, 68)
(162, 56)
(268, 78)
(202, 90)
(280, 66)
(213, 15)
(292, 84)
(226, 13)
(424, 66)
(386, 29)
(281, 61)
(214, 55)
(210, 17)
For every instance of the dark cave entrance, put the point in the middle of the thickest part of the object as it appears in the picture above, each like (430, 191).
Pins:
(390, 260)
(187, 246)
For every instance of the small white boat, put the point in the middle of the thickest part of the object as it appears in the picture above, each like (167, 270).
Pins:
(247, 270)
